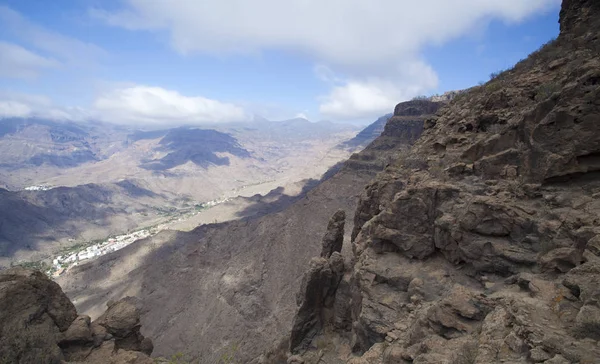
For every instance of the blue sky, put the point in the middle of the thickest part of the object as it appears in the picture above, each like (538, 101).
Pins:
(157, 62)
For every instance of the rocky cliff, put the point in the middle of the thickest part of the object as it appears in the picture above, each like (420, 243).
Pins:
(41, 325)
(231, 287)
(481, 244)
(400, 132)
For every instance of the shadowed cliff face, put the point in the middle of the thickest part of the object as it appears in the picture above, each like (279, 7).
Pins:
(481, 244)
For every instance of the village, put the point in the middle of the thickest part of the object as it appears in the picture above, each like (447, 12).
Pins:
(62, 263)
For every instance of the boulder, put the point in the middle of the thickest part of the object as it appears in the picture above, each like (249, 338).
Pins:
(39, 324)
(561, 259)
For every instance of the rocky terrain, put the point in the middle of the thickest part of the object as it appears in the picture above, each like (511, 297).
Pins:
(368, 134)
(41, 325)
(231, 286)
(475, 240)
(479, 245)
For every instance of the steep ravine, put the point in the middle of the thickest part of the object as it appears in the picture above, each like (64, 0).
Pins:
(482, 243)
(230, 287)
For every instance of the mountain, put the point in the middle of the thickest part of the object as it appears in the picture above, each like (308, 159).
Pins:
(36, 142)
(368, 134)
(67, 184)
(35, 224)
(480, 244)
(230, 284)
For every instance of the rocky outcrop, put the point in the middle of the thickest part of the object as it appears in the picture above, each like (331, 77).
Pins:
(400, 132)
(316, 298)
(480, 244)
(334, 237)
(41, 325)
(319, 285)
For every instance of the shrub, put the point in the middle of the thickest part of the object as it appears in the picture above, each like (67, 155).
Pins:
(546, 90)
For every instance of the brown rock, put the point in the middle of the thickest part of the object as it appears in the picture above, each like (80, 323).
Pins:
(561, 259)
(539, 355)
(316, 294)
(79, 331)
(40, 325)
(334, 237)
(33, 311)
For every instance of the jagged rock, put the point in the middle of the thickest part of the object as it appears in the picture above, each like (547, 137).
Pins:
(40, 325)
(538, 355)
(593, 245)
(503, 182)
(588, 321)
(122, 320)
(584, 281)
(316, 295)
(33, 312)
(458, 313)
(557, 359)
(334, 237)
(561, 259)
(79, 331)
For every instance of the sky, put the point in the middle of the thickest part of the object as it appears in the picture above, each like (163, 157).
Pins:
(188, 62)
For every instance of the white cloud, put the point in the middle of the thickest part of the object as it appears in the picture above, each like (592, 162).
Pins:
(301, 115)
(341, 32)
(155, 105)
(367, 41)
(18, 62)
(373, 96)
(130, 105)
(21, 105)
(14, 109)
(66, 49)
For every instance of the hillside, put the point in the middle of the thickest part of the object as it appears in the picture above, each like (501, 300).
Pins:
(69, 184)
(38, 223)
(230, 284)
(480, 245)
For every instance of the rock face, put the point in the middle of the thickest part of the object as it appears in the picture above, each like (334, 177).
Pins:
(481, 244)
(319, 286)
(334, 237)
(402, 130)
(316, 298)
(41, 325)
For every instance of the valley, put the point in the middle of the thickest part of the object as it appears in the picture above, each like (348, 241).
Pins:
(145, 179)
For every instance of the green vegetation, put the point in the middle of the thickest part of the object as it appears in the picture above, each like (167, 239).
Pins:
(546, 90)
(228, 357)
(39, 265)
(177, 358)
